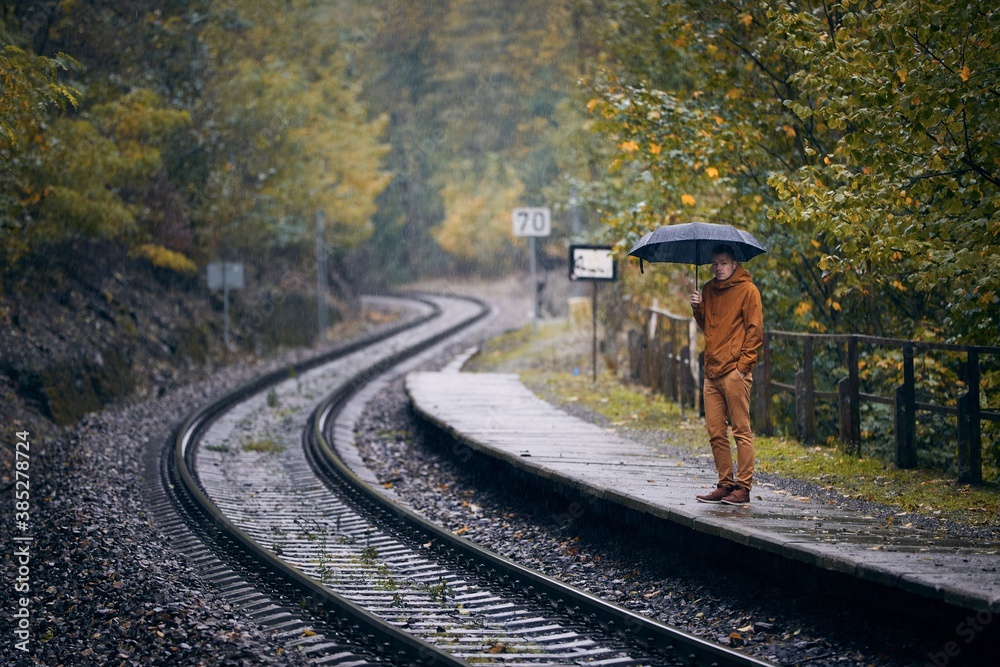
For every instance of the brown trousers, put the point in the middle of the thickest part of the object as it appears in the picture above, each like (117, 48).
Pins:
(728, 397)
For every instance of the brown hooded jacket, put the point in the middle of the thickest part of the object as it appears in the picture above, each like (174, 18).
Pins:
(732, 318)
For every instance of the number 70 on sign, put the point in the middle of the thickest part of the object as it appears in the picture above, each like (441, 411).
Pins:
(532, 221)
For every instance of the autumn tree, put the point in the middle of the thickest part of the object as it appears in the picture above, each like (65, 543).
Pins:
(819, 127)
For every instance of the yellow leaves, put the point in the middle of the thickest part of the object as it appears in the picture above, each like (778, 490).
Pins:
(654, 149)
(733, 94)
(712, 172)
(901, 73)
(815, 243)
(898, 285)
(745, 19)
(803, 308)
(788, 130)
(965, 73)
(834, 304)
(628, 146)
(167, 259)
(687, 200)
(896, 256)
(592, 104)
(719, 120)
(826, 160)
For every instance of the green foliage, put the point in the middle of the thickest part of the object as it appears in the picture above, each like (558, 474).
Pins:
(202, 128)
(476, 100)
(857, 139)
(906, 201)
(30, 92)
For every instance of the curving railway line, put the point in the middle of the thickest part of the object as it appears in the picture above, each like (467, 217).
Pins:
(264, 491)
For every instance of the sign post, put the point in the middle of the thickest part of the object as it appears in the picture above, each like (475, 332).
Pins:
(322, 314)
(225, 276)
(532, 222)
(595, 263)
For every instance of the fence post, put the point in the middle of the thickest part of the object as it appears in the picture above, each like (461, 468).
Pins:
(634, 355)
(761, 386)
(906, 423)
(675, 363)
(848, 394)
(768, 372)
(844, 411)
(854, 389)
(800, 405)
(687, 381)
(970, 454)
(805, 395)
(668, 369)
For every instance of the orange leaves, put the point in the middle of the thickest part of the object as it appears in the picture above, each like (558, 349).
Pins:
(965, 73)
(687, 200)
(629, 146)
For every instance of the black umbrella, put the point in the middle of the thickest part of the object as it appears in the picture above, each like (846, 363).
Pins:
(693, 242)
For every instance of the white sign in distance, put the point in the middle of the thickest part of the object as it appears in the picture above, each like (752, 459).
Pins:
(532, 221)
(225, 275)
(592, 262)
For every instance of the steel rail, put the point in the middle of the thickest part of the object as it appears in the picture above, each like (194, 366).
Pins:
(579, 605)
(379, 635)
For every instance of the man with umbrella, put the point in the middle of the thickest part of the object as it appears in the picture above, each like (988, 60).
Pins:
(728, 309)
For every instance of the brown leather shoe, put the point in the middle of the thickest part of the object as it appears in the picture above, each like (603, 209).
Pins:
(739, 496)
(715, 497)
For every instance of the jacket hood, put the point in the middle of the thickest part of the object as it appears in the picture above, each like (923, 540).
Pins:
(740, 275)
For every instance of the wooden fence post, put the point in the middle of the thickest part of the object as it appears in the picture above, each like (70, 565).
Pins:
(906, 422)
(687, 381)
(805, 396)
(970, 454)
(761, 394)
(634, 355)
(844, 412)
(669, 370)
(848, 393)
(800, 405)
(854, 390)
(768, 372)
(675, 363)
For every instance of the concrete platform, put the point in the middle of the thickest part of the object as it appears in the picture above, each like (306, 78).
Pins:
(495, 414)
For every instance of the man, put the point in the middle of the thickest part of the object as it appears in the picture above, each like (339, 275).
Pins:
(729, 312)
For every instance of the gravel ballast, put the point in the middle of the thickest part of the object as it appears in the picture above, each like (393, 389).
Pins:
(105, 588)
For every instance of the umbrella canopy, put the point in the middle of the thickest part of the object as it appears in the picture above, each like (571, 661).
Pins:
(692, 243)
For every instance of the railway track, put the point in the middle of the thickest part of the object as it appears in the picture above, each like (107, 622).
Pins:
(331, 561)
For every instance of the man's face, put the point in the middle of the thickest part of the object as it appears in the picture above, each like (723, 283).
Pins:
(723, 266)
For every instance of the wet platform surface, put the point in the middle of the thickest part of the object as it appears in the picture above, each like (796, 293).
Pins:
(495, 414)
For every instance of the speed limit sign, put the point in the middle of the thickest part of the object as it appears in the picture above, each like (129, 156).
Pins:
(532, 221)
